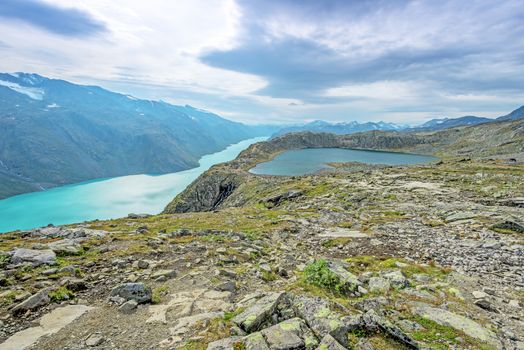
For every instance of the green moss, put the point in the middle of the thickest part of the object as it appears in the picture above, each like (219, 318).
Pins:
(228, 315)
(336, 242)
(268, 276)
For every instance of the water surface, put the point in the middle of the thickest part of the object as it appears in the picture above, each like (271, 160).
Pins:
(310, 160)
(105, 198)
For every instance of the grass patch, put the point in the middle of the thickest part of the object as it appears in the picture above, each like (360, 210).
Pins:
(158, 294)
(370, 263)
(61, 294)
(330, 243)
(268, 276)
(318, 274)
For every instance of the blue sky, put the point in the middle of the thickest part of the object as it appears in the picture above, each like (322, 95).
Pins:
(280, 60)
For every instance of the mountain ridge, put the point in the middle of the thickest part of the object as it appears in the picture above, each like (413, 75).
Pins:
(56, 132)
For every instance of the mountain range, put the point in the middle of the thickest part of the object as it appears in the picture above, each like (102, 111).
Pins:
(431, 125)
(55, 132)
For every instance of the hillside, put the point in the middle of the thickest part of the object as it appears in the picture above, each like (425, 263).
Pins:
(215, 188)
(358, 257)
(55, 132)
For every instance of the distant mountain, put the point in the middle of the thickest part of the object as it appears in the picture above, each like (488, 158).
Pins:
(516, 114)
(338, 128)
(444, 123)
(54, 132)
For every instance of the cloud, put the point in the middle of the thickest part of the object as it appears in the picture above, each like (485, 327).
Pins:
(283, 60)
(57, 20)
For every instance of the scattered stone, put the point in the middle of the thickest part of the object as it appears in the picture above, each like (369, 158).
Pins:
(374, 323)
(133, 291)
(94, 339)
(255, 341)
(143, 264)
(128, 307)
(163, 275)
(479, 295)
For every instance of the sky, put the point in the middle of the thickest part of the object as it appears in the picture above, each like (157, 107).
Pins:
(273, 61)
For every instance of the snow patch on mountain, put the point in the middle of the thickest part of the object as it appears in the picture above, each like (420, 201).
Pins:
(34, 93)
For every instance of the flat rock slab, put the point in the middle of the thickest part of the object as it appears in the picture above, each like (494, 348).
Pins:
(33, 256)
(461, 323)
(49, 324)
(340, 232)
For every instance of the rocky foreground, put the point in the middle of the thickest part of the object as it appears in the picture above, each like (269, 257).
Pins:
(358, 257)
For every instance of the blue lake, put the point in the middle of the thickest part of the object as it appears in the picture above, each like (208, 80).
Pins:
(105, 198)
(311, 160)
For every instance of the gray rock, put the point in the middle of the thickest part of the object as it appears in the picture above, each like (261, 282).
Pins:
(397, 279)
(349, 282)
(225, 344)
(34, 257)
(228, 286)
(509, 224)
(128, 307)
(164, 274)
(258, 313)
(330, 343)
(290, 334)
(375, 323)
(33, 302)
(133, 291)
(461, 323)
(94, 339)
(255, 341)
(378, 285)
(322, 320)
(65, 247)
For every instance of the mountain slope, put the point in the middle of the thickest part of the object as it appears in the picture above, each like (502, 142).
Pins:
(516, 114)
(55, 132)
(444, 123)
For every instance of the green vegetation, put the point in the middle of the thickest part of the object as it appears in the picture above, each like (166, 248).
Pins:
(158, 294)
(61, 294)
(318, 274)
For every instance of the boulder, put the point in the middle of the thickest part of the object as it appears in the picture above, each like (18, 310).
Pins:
(290, 334)
(133, 291)
(396, 279)
(378, 285)
(461, 323)
(225, 344)
(509, 224)
(65, 247)
(128, 307)
(255, 341)
(330, 343)
(258, 313)
(349, 283)
(375, 323)
(33, 302)
(34, 257)
(322, 320)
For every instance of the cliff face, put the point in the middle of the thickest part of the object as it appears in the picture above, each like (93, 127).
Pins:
(216, 187)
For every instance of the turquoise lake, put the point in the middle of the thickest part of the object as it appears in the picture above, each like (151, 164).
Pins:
(105, 198)
(310, 160)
